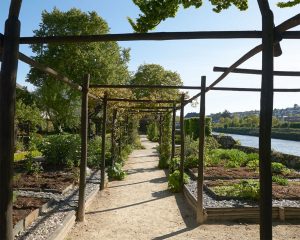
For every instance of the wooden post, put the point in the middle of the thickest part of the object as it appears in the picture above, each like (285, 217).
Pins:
(113, 137)
(9, 68)
(182, 140)
(160, 131)
(265, 127)
(102, 182)
(200, 212)
(126, 129)
(173, 130)
(84, 143)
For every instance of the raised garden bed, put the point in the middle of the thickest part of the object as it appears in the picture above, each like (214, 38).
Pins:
(50, 179)
(26, 210)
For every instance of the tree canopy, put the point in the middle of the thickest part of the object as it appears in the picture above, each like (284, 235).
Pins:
(154, 74)
(105, 62)
(153, 11)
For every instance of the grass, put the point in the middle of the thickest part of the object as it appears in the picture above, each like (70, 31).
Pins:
(22, 155)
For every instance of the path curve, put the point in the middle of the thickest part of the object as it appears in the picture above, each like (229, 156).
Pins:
(141, 207)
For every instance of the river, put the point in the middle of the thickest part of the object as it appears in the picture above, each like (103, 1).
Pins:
(284, 146)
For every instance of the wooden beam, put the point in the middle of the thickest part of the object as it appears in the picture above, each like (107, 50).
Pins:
(200, 179)
(173, 130)
(158, 36)
(140, 100)
(84, 144)
(103, 140)
(113, 137)
(182, 143)
(146, 107)
(265, 126)
(253, 89)
(259, 72)
(9, 68)
(145, 86)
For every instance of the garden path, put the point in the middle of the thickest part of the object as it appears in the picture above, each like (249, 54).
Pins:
(141, 207)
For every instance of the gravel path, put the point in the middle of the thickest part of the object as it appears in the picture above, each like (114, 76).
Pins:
(141, 207)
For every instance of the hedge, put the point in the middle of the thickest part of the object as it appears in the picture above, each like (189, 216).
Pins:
(192, 127)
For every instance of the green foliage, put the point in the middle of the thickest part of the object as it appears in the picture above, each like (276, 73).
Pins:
(62, 149)
(174, 181)
(22, 155)
(192, 127)
(279, 168)
(152, 132)
(94, 152)
(174, 164)
(57, 100)
(253, 164)
(191, 162)
(248, 189)
(280, 180)
(232, 158)
(28, 115)
(31, 166)
(133, 135)
(19, 146)
(165, 148)
(153, 12)
(115, 172)
(154, 74)
(288, 3)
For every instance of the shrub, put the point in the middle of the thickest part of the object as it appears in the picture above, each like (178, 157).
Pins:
(280, 180)
(115, 172)
(174, 181)
(253, 164)
(31, 166)
(165, 148)
(61, 150)
(232, 157)
(152, 132)
(174, 164)
(279, 168)
(94, 152)
(191, 162)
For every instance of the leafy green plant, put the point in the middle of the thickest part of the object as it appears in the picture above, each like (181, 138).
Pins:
(280, 180)
(22, 155)
(191, 162)
(279, 168)
(248, 189)
(94, 152)
(165, 148)
(232, 158)
(115, 172)
(31, 166)
(174, 181)
(253, 164)
(152, 132)
(61, 150)
(174, 164)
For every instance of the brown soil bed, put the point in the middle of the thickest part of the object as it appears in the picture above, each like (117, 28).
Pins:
(51, 178)
(24, 205)
(291, 192)
(221, 172)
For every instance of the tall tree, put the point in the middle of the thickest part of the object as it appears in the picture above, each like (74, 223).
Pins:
(105, 62)
(154, 74)
(153, 11)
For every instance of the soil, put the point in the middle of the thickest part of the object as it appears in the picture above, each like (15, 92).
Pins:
(24, 205)
(141, 207)
(291, 192)
(221, 172)
(53, 178)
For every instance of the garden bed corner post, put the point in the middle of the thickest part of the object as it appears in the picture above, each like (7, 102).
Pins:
(200, 209)
(265, 128)
(173, 130)
(84, 142)
(182, 142)
(9, 68)
(103, 140)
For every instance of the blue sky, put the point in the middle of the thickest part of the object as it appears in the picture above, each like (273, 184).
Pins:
(190, 58)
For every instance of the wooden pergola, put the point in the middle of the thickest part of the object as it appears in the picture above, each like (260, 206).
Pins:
(271, 36)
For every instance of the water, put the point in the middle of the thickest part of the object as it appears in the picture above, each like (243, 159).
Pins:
(284, 146)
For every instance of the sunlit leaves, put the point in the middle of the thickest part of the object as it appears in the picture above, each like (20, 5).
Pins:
(288, 3)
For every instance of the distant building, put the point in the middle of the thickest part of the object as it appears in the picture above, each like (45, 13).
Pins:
(191, 115)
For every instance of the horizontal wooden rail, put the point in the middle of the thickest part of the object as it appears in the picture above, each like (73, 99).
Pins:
(158, 36)
(145, 107)
(140, 100)
(252, 89)
(144, 86)
(255, 71)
